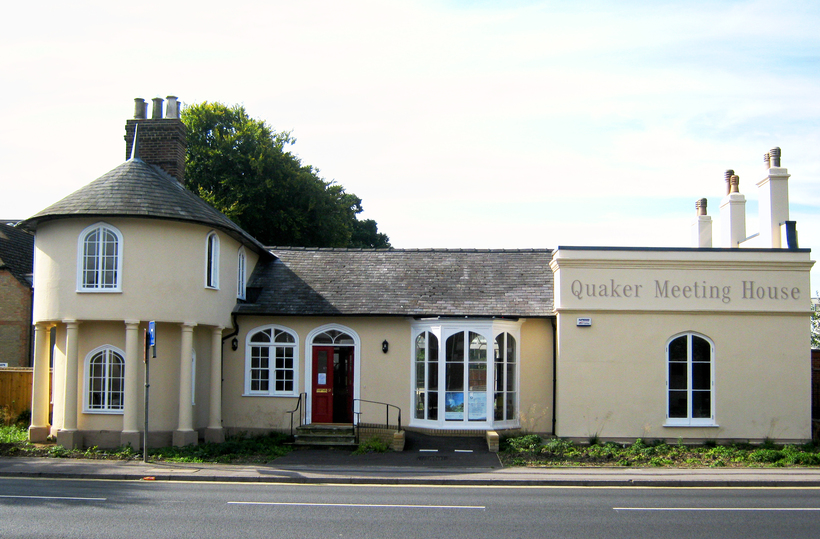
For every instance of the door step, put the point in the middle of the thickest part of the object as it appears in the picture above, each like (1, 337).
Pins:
(326, 435)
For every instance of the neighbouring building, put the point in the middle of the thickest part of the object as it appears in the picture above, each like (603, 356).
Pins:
(16, 248)
(616, 343)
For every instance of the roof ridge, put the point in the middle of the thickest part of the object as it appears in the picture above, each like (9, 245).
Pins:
(410, 249)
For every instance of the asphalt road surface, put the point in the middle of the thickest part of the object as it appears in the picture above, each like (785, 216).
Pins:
(112, 509)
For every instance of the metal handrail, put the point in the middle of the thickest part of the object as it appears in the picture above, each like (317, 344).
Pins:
(302, 415)
(387, 407)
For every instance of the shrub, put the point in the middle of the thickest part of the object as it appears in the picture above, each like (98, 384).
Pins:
(373, 445)
(527, 443)
(766, 455)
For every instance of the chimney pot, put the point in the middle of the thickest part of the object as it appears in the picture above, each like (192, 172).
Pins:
(156, 113)
(728, 176)
(140, 108)
(775, 157)
(767, 160)
(700, 206)
(734, 184)
(172, 108)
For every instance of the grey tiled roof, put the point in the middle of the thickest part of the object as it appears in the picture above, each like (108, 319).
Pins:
(435, 282)
(137, 189)
(16, 251)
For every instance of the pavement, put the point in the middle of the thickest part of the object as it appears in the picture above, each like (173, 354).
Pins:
(426, 461)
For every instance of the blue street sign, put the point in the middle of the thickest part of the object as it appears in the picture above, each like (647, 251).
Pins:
(152, 333)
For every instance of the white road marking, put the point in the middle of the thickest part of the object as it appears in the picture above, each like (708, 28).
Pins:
(463, 450)
(397, 506)
(716, 508)
(54, 498)
(428, 450)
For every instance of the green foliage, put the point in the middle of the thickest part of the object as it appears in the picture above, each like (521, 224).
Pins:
(11, 434)
(260, 448)
(530, 451)
(373, 445)
(241, 167)
(815, 324)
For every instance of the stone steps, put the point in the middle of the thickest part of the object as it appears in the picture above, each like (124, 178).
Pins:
(325, 435)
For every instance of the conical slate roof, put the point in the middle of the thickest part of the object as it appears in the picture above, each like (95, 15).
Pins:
(137, 189)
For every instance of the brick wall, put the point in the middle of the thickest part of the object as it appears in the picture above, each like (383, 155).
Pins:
(15, 321)
(162, 143)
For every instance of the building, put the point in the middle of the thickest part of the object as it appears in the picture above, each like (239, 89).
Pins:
(16, 247)
(616, 343)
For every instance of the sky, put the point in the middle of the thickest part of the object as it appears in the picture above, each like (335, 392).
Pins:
(472, 124)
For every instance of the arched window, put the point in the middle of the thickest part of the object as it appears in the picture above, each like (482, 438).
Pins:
(240, 274)
(99, 259)
(104, 380)
(690, 380)
(212, 261)
(270, 362)
(505, 401)
(426, 356)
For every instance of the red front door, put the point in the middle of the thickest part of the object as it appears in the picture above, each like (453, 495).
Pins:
(322, 384)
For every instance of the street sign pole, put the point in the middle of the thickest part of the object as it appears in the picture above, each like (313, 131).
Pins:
(150, 344)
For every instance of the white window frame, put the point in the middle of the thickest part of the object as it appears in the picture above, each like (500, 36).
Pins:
(212, 261)
(241, 275)
(690, 421)
(101, 228)
(294, 346)
(106, 350)
(444, 329)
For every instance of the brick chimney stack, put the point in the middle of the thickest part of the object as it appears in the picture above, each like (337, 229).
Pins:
(162, 140)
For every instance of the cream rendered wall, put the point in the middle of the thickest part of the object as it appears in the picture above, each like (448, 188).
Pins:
(535, 375)
(381, 377)
(612, 375)
(163, 274)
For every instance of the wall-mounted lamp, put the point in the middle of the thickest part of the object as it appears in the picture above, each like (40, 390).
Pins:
(234, 344)
(385, 346)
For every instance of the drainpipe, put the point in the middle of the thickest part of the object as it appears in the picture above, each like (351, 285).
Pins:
(554, 370)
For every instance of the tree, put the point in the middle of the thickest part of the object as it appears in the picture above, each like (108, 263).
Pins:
(815, 324)
(240, 166)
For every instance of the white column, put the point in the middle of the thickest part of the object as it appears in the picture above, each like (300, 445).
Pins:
(39, 429)
(131, 399)
(733, 216)
(185, 434)
(68, 436)
(214, 431)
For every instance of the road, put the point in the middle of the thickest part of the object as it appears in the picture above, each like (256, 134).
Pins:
(112, 509)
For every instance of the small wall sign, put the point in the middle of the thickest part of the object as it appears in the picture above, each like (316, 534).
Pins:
(584, 322)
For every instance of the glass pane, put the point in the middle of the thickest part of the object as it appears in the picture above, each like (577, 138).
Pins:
(282, 336)
(432, 373)
(498, 407)
(419, 404)
(454, 406)
(677, 404)
(677, 349)
(421, 347)
(701, 376)
(510, 406)
(455, 347)
(477, 409)
(478, 347)
(261, 336)
(432, 348)
(511, 377)
(677, 376)
(454, 377)
(499, 377)
(323, 338)
(321, 363)
(701, 351)
(510, 348)
(498, 346)
(477, 380)
(420, 375)
(432, 405)
(701, 404)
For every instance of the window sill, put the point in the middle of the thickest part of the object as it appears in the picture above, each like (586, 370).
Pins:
(691, 425)
(99, 290)
(103, 412)
(286, 395)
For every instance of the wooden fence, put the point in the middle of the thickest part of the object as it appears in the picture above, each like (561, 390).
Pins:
(15, 389)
